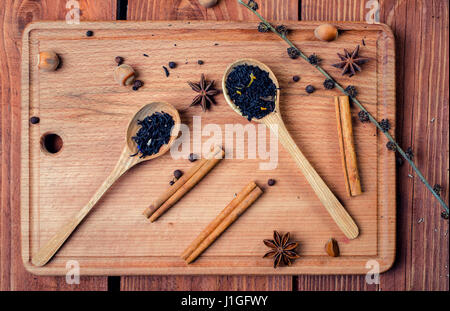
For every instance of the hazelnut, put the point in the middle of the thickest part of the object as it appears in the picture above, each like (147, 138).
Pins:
(207, 3)
(124, 74)
(332, 248)
(326, 32)
(48, 61)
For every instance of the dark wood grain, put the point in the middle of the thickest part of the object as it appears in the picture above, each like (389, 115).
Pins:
(15, 15)
(191, 10)
(142, 10)
(421, 30)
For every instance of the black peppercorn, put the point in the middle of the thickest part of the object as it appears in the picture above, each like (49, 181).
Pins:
(119, 60)
(363, 116)
(89, 33)
(385, 125)
(391, 146)
(351, 91)
(200, 62)
(444, 215)
(192, 157)
(310, 89)
(172, 65)
(271, 182)
(296, 78)
(177, 174)
(329, 84)
(138, 83)
(293, 53)
(34, 120)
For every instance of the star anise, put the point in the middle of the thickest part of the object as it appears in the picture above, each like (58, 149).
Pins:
(350, 62)
(282, 251)
(206, 92)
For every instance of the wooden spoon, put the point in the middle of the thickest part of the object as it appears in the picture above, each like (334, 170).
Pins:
(124, 164)
(275, 123)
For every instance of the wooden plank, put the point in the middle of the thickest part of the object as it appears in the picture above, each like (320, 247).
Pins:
(421, 29)
(333, 10)
(60, 184)
(206, 283)
(142, 10)
(422, 248)
(226, 10)
(14, 16)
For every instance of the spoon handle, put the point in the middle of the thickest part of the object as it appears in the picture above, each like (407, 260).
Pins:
(328, 199)
(46, 252)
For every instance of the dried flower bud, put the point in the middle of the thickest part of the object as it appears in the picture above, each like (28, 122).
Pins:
(262, 27)
(253, 5)
(437, 188)
(282, 30)
(313, 59)
(351, 91)
(293, 53)
(409, 153)
(363, 116)
(391, 146)
(385, 125)
(329, 84)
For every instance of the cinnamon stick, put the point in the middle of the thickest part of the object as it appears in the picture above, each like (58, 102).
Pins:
(213, 225)
(347, 146)
(225, 223)
(188, 184)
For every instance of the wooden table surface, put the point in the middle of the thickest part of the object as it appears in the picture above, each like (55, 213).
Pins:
(421, 30)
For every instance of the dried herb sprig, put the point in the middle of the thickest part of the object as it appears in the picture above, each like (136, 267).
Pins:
(355, 100)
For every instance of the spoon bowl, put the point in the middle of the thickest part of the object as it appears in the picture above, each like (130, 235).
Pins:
(125, 162)
(144, 112)
(275, 123)
(256, 63)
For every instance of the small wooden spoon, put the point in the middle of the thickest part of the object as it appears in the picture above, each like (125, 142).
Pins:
(275, 123)
(123, 165)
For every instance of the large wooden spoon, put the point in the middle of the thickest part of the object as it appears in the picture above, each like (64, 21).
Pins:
(123, 165)
(275, 123)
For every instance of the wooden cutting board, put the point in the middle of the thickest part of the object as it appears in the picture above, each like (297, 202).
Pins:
(81, 103)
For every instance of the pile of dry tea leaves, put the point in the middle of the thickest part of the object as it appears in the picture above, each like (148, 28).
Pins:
(154, 132)
(252, 91)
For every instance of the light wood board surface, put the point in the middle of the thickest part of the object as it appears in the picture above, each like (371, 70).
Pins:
(82, 104)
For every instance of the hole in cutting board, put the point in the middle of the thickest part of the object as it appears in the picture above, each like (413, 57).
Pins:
(52, 143)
